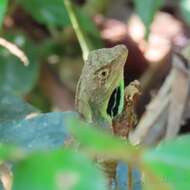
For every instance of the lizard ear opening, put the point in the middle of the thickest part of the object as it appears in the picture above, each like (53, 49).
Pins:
(113, 103)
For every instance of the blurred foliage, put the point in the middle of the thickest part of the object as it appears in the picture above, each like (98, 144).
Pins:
(99, 141)
(34, 141)
(23, 126)
(49, 12)
(170, 160)
(9, 152)
(185, 10)
(3, 6)
(38, 99)
(13, 108)
(52, 13)
(96, 6)
(85, 39)
(42, 132)
(58, 169)
(13, 76)
(146, 9)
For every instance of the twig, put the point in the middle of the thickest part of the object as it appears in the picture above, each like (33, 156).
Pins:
(153, 112)
(179, 95)
(14, 50)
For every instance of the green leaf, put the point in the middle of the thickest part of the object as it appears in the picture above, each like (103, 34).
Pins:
(100, 142)
(21, 128)
(185, 10)
(45, 131)
(147, 9)
(59, 169)
(171, 162)
(53, 13)
(49, 12)
(3, 6)
(14, 76)
(42, 132)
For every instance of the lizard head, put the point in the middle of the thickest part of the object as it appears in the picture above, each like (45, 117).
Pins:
(100, 76)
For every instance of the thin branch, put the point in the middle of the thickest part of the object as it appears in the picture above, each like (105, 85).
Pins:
(157, 106)
(14, 50)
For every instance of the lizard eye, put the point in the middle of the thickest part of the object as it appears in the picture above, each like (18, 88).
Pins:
(104, 73)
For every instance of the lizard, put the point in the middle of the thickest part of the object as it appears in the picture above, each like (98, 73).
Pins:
(100, 77)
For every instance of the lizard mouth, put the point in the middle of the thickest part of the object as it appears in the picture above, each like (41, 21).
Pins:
(113, 104)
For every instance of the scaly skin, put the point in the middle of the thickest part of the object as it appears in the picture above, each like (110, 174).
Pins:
(101, 74)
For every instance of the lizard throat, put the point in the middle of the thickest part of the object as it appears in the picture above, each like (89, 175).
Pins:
(114, 101)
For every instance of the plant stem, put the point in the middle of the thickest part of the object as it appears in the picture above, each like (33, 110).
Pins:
(85, 46)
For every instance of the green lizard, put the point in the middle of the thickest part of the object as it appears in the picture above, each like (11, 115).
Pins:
(100, 76)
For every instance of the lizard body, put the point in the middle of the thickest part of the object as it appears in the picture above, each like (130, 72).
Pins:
(100, 76)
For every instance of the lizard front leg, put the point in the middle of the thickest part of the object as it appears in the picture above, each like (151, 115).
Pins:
(124, 122)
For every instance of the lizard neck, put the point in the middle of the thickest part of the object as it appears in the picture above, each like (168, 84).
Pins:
(94, 113)
(100, 116)
(91, 109)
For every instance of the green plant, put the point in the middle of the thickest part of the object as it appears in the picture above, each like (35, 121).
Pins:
(40, 146)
